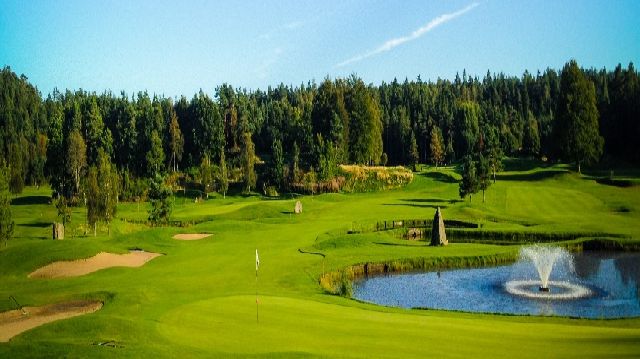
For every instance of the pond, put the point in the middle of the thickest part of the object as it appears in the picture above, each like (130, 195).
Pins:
(609, 278)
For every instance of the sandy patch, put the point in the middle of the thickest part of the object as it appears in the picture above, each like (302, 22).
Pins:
(15, 322)
(191, 236)
(101, 260)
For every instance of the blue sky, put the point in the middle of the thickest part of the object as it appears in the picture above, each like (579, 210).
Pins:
(178, 47)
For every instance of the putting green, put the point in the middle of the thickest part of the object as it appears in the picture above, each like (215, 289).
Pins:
(287, 325)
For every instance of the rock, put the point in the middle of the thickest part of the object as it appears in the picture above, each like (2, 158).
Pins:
(414, 234)
(438, 235)
(298, 208)
(58, 231)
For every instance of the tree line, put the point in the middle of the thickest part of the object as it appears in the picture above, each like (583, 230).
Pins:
(285, 135)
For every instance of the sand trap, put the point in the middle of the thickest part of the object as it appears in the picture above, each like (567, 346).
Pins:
(191, 236)
(101, 260)
(15, 322)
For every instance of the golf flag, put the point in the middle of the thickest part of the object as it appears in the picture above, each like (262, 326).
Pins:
(257, 260)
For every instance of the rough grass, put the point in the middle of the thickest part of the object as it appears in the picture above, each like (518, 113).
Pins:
(198, 300)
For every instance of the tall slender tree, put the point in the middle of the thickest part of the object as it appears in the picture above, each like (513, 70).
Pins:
(176, 141)
(436, 146)
(6, 221)
(76, 160)
(469, 183)
(223, 176)
(248, 158)
(577, 127)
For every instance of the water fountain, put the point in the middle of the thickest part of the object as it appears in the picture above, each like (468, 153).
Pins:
(544, 258)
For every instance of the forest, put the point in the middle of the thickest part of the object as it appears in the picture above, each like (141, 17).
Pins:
(284, 137)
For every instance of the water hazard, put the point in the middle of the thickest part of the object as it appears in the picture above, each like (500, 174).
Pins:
(610, 278)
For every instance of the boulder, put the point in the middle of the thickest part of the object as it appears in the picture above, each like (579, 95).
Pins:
(58, 231)
(414, 234)
(438, 235)
(298, 208)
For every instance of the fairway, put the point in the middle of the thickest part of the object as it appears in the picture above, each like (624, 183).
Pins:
(199, 297)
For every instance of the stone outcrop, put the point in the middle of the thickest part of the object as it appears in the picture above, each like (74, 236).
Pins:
(58, 231)
(298, 208)
(438, 236)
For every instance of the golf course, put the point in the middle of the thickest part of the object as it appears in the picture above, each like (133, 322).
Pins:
(204, 297)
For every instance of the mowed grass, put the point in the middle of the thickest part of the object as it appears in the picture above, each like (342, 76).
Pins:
(198, 300)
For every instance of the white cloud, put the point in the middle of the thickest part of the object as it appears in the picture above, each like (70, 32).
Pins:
(390, 44)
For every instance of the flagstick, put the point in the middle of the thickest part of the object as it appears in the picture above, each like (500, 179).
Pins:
(257, 296)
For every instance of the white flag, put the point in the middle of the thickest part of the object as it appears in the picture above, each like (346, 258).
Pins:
(257, 260)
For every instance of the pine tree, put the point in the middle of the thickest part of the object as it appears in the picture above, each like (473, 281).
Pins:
(469, 183)
(76, 159)
(155, 155)
(484, 180)
(223, 176)
(576, 126)
(6, 221)
(436, 146)
(414, 156)
(248, 158)
(176, 141)
(160, 197)
(206, 174)
(276, 166)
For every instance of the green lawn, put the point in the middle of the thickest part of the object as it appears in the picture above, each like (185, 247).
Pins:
(198, 300)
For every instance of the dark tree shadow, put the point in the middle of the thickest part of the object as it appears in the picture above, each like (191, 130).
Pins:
(28, 200)
(432, 200)
(523, 164)
(433, 206)
(535, 176)
(440, 177)
(419, 243)
(35, 225)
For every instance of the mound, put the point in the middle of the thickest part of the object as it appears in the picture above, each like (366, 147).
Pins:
(15, 322)
(191, 236)
(101, 260)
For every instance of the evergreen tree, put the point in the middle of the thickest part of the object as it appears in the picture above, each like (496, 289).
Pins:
(102, 189)
(484, 176)
(276, 165)
(577, 127)
(206, 174)
(295, 173)
(248, 159)
(16, 169)
(414, 156)
(92, 190)
(155, 155)
(160, 197)
(176, 141)
(469, 183)
(223, 176)
(6, 221)
(76, 160)
(436, 146)
(531, 136)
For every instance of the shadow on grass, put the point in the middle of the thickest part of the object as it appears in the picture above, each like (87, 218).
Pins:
(417, 244)
(440, 177)
(523, 164)
(35, 225)
(28, 200)
(433, 200)
(534, 176)
(433, 206)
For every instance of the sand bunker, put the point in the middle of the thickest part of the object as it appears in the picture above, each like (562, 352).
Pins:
(191, 236)
(15, 322)
(101, 260)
